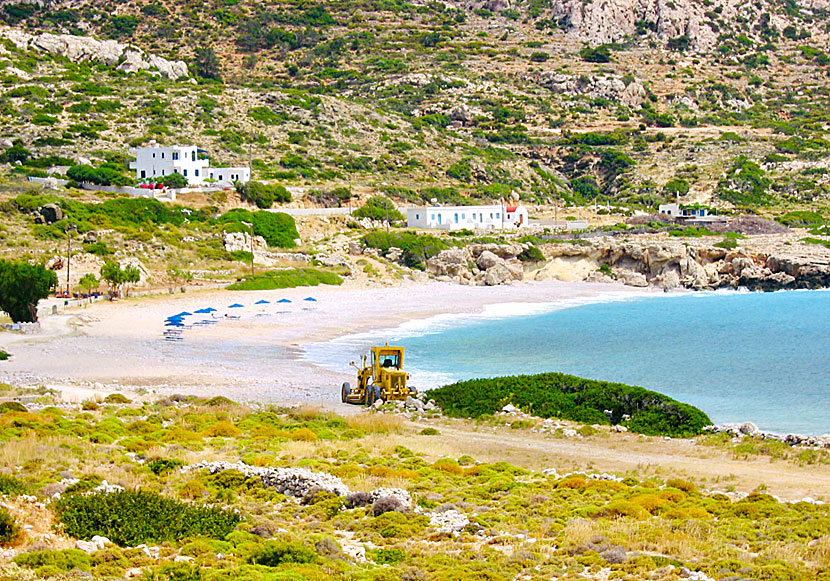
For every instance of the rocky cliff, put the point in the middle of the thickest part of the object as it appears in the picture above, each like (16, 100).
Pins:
(124, 57)
(598, 22)
(762, 263)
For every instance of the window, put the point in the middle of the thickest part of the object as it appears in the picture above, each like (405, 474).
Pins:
(491, 215)
(417, 216)
(154, 155)
(143, 174)
(162, 155)
(498, 215)
(196, 172)
(193, 155)
(463, 217)
(439, 218)
(162, 172)
(456, 217)
(184, 172)
(175, 155)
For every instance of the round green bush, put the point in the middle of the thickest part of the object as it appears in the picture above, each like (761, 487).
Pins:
(274, 554)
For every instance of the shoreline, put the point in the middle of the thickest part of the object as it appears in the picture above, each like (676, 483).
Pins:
(119, 346)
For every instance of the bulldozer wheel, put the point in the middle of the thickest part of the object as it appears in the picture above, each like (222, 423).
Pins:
(345, 390)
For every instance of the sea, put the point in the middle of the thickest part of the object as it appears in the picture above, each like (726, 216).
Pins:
(738, 356)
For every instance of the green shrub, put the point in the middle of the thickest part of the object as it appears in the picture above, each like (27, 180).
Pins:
(132, 517)
(98, 248)
(118, 398)
(160, 466)
(4, 355)
(600, 54)
(64, 560)
(379, 208)
(532, 254)
(287, 278)
(802, 218)
(12, 406)
(277, 228)
(220, 400)
(386, 556)
(9, 529)
(11, 486)
(262, 195)
(573, 398)
(274, 554)
(417, 248)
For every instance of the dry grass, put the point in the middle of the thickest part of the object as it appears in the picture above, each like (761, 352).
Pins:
(374, 423)
(819, 551)
(579, 531)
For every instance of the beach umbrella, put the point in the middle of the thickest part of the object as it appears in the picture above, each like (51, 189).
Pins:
(174, 318)
(235, 306)
(310, 299)
(211, 310)
(262, 302)
(283, 301)
(183, 314)
(202, 311)
(174, 324)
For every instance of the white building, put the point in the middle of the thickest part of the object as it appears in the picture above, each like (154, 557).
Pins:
(228, 175)
(493, 217)
(155, 162)
(678, 211)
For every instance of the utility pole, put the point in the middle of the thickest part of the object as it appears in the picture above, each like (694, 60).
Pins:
(69, 254)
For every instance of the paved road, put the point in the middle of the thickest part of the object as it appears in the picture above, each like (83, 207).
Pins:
(313, 211)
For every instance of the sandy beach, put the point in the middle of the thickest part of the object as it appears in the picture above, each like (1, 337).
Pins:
(114, 346)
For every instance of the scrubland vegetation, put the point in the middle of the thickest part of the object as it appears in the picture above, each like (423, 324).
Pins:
(574, 398)
(225, 526)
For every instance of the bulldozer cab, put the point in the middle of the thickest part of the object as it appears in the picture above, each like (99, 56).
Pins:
(387, 358)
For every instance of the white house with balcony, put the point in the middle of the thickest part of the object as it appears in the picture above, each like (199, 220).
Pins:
(155, 161)
(493, 217)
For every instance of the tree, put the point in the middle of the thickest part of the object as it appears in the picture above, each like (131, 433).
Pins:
(131, 276)
(22, 285)
(207, 65)
(112, 273)
(379, 208)
(88, 282)
(174, 180)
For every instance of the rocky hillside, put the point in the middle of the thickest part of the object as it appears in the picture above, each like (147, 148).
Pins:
(568, 102)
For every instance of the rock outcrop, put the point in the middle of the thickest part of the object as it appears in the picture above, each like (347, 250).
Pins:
(628, 92)
(124, 57)
(763, 264)
(479, 264)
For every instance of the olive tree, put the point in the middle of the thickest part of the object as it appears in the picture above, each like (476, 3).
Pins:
(22, 286)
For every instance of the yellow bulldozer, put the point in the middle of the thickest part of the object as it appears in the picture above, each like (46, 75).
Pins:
(382, 377)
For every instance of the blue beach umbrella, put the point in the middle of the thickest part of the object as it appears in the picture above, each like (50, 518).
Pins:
(310, 299)
(283, 301)
(174, 324)
(262, 302)
(235, 306)
(174, 318)
(202, 311)
(183, 314)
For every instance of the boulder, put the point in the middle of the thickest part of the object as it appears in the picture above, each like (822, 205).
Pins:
(452, 262)
(487, 260)
(51, 213)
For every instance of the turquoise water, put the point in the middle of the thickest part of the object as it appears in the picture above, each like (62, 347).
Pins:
(762, 357)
